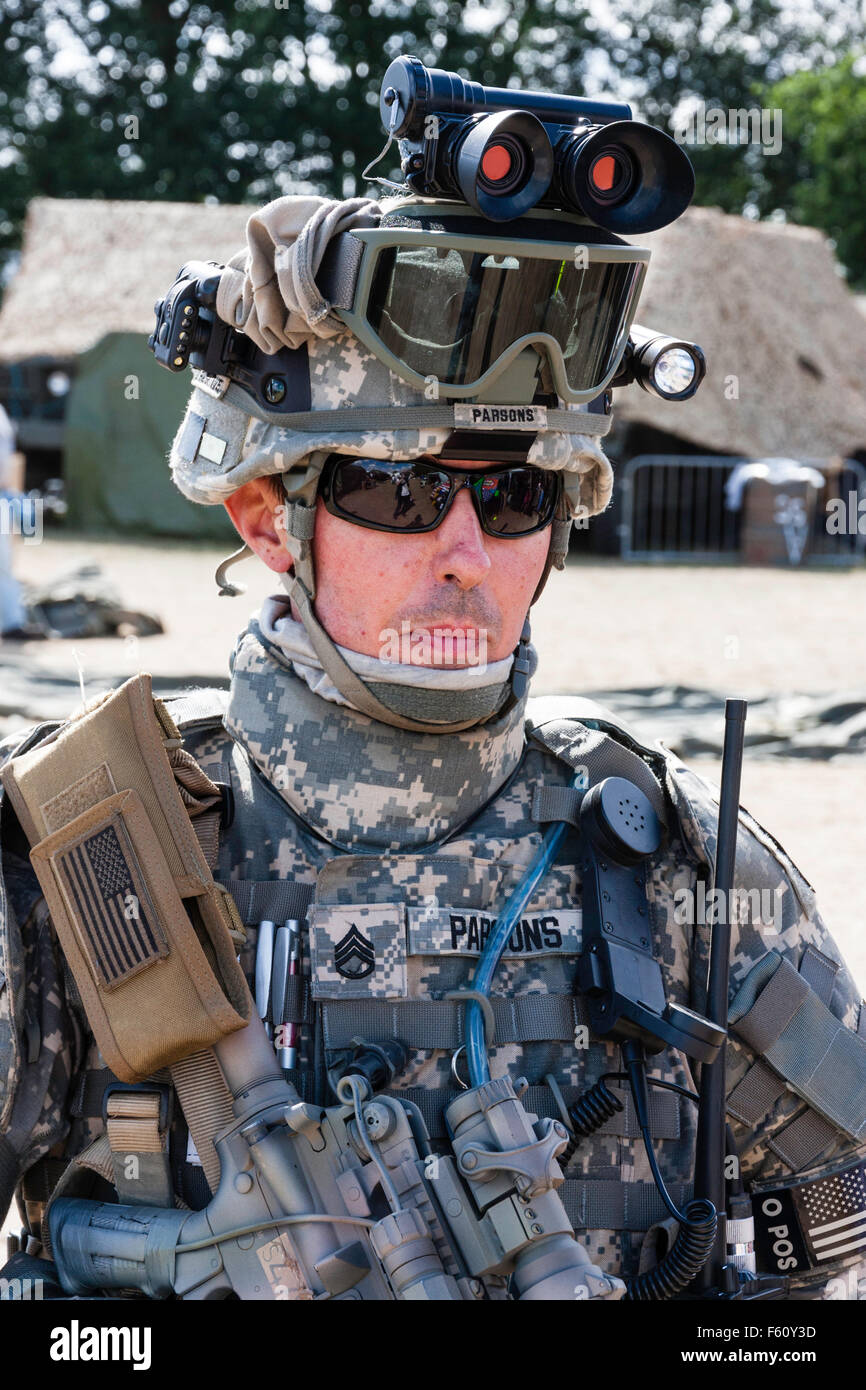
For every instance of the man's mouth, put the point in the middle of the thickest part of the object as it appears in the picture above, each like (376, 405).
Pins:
(443, 624)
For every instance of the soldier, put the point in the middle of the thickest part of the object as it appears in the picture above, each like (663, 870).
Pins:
(13, 615)
(390, 801)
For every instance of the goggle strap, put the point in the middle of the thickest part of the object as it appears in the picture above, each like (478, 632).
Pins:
(337, 274)
(356, 419)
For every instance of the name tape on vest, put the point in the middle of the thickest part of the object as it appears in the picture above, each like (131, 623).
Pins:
(451, 931)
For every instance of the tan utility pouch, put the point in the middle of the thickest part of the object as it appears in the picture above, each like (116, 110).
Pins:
(110, 805)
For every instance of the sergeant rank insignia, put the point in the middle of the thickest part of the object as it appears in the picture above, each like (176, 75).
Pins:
(354, 956)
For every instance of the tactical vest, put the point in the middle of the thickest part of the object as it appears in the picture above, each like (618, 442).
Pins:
(390, 938)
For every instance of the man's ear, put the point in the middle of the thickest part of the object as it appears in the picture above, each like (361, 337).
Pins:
(259, 519)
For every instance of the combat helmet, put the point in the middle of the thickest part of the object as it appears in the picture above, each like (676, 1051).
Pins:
(322, 389)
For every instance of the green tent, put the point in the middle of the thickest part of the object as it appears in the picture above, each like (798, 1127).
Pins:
(123, 412)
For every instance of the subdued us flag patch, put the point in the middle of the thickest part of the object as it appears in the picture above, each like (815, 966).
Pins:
(112, 908)
(811, 1223)
(833, 1214)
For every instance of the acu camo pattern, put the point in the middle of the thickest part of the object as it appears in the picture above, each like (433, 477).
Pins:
(471, 861)
(42, 1027)
(346, 773)
(443, 861)
(345, 376)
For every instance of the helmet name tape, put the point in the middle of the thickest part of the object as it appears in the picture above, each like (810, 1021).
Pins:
(502, 417)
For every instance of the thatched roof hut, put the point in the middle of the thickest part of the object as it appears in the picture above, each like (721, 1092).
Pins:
(765, 301)
(91, 267)
(784, 337)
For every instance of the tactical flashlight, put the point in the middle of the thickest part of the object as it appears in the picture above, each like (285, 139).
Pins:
(671, 368)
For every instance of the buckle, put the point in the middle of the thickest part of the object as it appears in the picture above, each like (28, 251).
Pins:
(227, 807)
(141, 1087)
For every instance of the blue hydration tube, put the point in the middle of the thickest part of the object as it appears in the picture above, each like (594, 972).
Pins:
(476, 1051)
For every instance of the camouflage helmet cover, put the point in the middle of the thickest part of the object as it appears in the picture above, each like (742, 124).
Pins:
(241, 443)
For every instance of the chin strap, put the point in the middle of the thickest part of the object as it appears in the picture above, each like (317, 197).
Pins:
(412, 707)
(560, 533)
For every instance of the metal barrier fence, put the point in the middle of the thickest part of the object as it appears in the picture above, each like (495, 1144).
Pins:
(673, 509)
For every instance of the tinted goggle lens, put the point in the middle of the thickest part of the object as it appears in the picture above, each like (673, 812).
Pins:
(415, 496)
(452, 314)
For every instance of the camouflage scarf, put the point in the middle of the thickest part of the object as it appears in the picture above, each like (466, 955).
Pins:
(361, 784)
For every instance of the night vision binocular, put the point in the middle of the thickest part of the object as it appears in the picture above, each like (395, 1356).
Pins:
(504, 151)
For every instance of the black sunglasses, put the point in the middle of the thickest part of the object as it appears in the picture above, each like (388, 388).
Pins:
(415, 496)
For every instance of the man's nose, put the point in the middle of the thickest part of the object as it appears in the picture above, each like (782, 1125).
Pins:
(461, 554)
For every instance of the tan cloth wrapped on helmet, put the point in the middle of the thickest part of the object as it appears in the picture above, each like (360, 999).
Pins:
(269, 290)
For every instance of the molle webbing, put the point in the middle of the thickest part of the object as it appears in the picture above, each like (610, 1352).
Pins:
(609, 1205)
(269, 900)
(109, 806)
(782, 1018)
(601, 756)
(799, 1143)
(539, 1100)
(754, 1097)
(431, 1025)
(803, 1140)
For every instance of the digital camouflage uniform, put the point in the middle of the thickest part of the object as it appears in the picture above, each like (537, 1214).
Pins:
(410, 843)
(421, 864)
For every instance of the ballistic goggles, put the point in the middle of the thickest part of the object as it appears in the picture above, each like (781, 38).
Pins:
(460, 309)
(415, 496)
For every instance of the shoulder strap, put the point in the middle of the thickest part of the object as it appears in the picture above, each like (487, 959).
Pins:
(542, 709)
(585, 735)
(39, 733)
(197, 708)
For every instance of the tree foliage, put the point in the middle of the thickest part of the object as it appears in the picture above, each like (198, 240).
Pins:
(179, 100)
(820, 176)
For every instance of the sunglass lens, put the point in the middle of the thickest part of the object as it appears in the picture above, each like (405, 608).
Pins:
(397, 495)
(520, 500)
